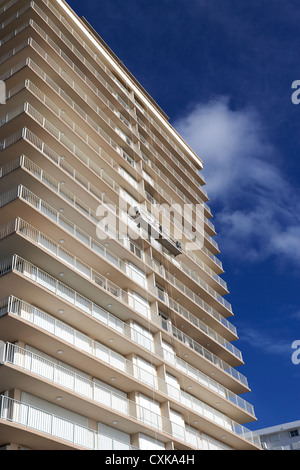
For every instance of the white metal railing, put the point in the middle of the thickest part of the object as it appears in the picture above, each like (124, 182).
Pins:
(87, 211)
(30, 110)
(31, 63)
(61, 290)
(36, 419)
(14, 15)
(11, 115)
(78, 339)
(100, 394)
(39, 366)
(53, 44)
(78, 71)
(117, 188)
(111, 75)
(85, 238)
(19, 225)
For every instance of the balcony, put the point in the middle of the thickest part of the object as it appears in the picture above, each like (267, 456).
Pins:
(21, 227)
(35, 427)
(70, 198)
(60, 290)
(102, 396)
(113, 127)
(128, 95)
(66, 224)
(144, 217)
(78, 154)
(202, 385)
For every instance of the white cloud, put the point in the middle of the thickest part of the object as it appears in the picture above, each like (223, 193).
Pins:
(264, 342)
(245, 181)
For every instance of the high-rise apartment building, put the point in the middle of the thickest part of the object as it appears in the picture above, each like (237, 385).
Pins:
(114, 329)
(280, 437)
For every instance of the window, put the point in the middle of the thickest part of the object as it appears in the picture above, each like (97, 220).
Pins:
(142, 336)
(110, 396)
(178, 424)
(128, 198)
(294, 433)
(149, 411)
(134, 248)
(158, 267)
(165, 322)
(160, 292)
(112, 438)
(148, 443)
(173, 386)
(168, 353)
(141, 305)
(128, 177)
(137, 274)
(146, 372)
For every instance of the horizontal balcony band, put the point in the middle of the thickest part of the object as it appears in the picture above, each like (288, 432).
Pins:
(62, 291)
(66, 224)
(97, 109)
(40, 421)
(59, 218)
(204, 248)
(95, 57)
(89, 66)
(92, 399)
(44, 242)
(57, 112)
(99, 195)
(57, 134)
(33, 43)
(83, 59)
(202, 284)
(102, 396)
(205, 386)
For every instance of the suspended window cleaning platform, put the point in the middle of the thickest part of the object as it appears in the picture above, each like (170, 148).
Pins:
(144, 220)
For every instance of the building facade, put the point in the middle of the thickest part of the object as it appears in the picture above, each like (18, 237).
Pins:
(281, 437)
(114, 329)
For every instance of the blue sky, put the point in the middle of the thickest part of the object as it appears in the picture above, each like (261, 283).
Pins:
(222, 70)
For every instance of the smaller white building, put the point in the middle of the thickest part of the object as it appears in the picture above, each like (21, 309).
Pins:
(281, 437)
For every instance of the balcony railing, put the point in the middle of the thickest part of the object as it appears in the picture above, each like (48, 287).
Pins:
(42, 278)
(66, 224)
(112, 76)
(82, 207)
(30, 63)
(35, 419)
(20, 226)
(61, 375)
(82, 76)
(36, 115)
(89, 389)
(101, 395)
(47, 179)
(33, 5)
(78, 339)
(95, 126)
